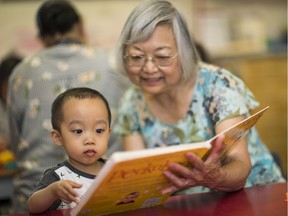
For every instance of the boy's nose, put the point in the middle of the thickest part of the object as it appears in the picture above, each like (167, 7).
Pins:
(90, 138)
(89, 142)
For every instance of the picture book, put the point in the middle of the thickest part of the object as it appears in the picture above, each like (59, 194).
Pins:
(134, 179)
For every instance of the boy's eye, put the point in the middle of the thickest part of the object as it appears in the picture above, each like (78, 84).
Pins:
(77, 131)
(99, 131)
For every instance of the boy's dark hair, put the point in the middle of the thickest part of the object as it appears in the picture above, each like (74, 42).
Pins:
(79, 93)
(7, 65)
(56, 16)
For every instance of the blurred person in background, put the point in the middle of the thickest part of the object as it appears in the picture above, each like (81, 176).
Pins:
(177, 98)
(7, 64)
(64, 62)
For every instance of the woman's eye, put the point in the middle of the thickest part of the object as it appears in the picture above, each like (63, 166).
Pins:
(137, 58)
(162, 58)
(99, 131)
(77, 131)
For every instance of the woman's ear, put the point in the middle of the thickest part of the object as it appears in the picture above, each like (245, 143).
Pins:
(56, 137)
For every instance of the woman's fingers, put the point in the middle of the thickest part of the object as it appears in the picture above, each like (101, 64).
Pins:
(217, 145)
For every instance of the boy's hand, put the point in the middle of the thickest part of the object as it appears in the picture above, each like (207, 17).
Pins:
(64, 190)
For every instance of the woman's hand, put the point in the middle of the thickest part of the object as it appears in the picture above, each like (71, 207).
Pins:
(229, 174)
(206, 173)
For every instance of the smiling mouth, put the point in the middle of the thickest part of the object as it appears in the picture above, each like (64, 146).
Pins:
(151, 81)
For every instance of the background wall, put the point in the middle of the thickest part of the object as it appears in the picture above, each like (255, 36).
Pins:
(234, 27)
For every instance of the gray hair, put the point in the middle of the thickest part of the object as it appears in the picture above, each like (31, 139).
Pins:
(141, 24)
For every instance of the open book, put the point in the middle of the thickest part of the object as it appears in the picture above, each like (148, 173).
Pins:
(134, 179)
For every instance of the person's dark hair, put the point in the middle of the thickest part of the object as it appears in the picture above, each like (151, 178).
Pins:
(79, 93)
(56, 16)
(203, 53)
(7, 65)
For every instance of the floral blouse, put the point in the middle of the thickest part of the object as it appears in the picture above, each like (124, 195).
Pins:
(218, 95)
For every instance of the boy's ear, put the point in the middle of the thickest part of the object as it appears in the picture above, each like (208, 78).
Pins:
(56, 137)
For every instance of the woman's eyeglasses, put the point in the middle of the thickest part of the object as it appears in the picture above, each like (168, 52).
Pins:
(141, 60)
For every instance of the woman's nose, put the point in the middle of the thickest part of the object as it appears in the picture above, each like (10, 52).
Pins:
(149, 65)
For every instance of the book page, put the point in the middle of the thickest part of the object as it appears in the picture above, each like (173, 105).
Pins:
(238, 132)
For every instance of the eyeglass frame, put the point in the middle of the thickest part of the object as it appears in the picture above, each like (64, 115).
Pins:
(153, 58)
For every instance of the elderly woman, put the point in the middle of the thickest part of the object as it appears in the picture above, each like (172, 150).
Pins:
(176, 99)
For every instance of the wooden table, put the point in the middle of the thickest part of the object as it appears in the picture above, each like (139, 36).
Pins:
(268, 200)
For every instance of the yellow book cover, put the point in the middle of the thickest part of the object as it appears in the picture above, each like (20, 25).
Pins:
(134, 179)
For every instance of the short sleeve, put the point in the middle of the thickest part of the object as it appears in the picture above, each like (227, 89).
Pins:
(227, 96)
(48, 178)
